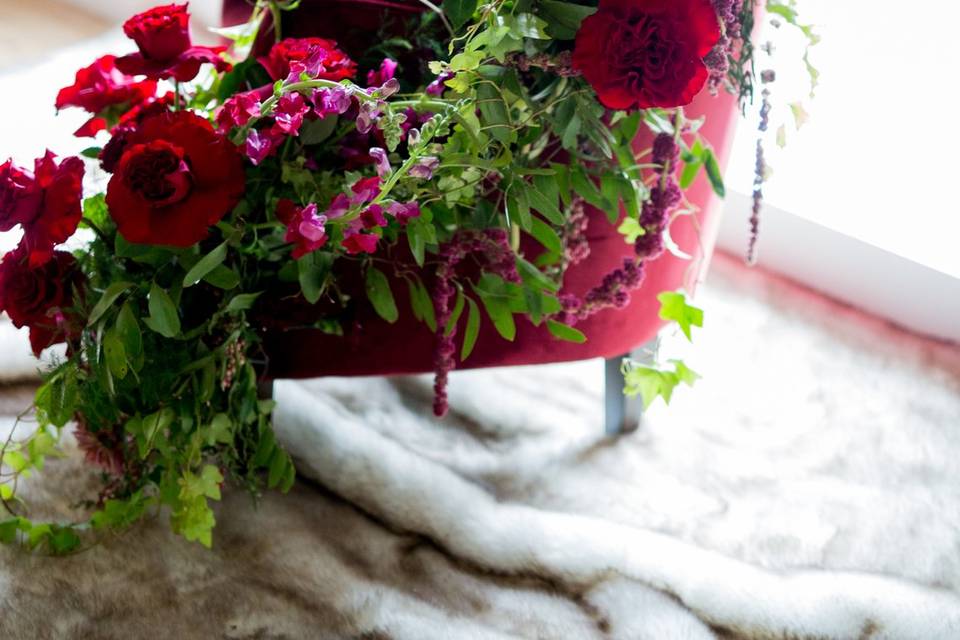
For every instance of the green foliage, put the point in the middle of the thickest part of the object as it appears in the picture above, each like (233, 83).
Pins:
(674, 307)
(380, 295)
(652, 382)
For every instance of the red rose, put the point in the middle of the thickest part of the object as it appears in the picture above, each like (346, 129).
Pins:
(101, 86)
(646, 53)
(176, 178)
(320, 54)
(46, 203)
(40, 298)
(162, 35)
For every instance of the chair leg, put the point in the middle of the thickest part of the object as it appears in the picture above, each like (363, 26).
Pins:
(265, 389)
(623, 413)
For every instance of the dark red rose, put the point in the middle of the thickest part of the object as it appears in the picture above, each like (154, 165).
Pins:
(176, 178)
(101, 87)
(46, 203)
(162, 35)
(646, 53)
(40, 298)
(319, 54)
(112, 151)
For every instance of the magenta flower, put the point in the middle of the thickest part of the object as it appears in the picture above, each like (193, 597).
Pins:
(330, 101)
(260, 144)
(387, 70)
(372, 217)
(404, 211)
(305, 229)
(238, 110)
(355, 242)
(438, 86)
(289, 113)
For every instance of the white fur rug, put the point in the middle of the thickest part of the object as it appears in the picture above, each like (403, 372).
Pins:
(808, 488)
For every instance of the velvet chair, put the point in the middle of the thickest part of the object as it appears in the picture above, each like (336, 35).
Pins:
(373, 347)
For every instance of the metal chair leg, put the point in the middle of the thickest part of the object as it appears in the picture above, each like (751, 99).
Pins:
(623, 413)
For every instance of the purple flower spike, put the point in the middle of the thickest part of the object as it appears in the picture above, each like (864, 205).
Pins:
(382, 162)
(424, 167)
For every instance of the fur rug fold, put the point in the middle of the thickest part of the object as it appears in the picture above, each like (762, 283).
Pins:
(727, 516)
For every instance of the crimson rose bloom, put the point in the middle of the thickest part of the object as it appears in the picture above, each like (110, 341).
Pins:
(646, 53)
(46, 203)
(176, 177)
(101, 86)
(333, 63)
(40, 297)
(162, 35)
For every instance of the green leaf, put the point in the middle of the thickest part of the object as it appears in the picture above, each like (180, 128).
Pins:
(109, 296)
(6, 492)
(455, 314)
(587, 189)
(314, 274)
(128, 328)
(164, 317)
(115, 354)
(652, 383)
(242, 302)
(525, 25)
(91, 152)
(206, 264)
(380, 295)
(546, 235)
(563, 18)
(459, 11)
(421, 303)
(674, 307)
(278, 467)
(499, 311)
(264, 449)
(8, 530)
(472, 330)
(63, 540)
(714, 173)
(535, 277)
(544, 196)
(493, 112)
(417, 241)
(222, 277)
(565, 332)
(316, 131)
(631, 230)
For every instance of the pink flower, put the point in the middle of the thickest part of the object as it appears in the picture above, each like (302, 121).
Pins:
(238, 110)
(404, 211)
(372, 217)
(305, 229)
(330, 101)
(355, 242)
(289, 113)
(387, 70)
(260, 144)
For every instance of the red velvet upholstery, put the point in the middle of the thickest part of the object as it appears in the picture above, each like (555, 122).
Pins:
(373, 347)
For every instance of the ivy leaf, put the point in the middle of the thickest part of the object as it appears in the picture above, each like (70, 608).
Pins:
(205, 265)
(652, 383)
(459, 11)
(380, 295)
(631, 230)
(674, 307)
(164, 317)
(63, 540)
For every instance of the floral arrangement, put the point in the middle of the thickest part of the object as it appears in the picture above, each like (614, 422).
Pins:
(297, 169)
